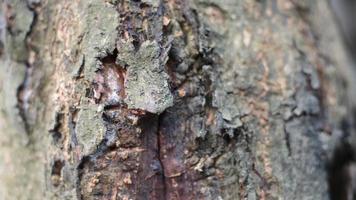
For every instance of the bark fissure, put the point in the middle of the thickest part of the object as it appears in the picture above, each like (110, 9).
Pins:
(160, 157)
(24, 90)
(173, 99)
(56, 131)
(23, 97)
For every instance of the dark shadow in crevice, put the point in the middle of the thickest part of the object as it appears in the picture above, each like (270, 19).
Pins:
(340, 173)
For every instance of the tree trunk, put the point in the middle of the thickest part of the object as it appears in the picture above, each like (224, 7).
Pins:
(169, 99)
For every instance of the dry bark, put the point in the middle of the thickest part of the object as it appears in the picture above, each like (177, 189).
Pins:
(169, 99)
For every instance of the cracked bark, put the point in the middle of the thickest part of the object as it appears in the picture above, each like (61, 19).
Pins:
(200, 99)
(23, 91)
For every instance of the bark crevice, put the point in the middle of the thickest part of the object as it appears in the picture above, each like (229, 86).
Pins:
(24, 90)
(160, 156)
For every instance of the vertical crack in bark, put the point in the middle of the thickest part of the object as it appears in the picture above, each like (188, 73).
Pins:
(160, 156)
(72, 122)
(23, 94)
(287, 139)
(24, 90)
(150, 181)
(80, 172)
(56, 131)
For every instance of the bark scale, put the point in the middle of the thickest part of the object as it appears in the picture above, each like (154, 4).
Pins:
(168, 99)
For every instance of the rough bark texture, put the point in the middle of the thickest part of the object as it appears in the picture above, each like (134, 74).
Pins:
(168, 99)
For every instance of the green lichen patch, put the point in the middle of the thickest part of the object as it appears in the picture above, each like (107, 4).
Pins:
(90, 129)
(146, 83)
(99, 34)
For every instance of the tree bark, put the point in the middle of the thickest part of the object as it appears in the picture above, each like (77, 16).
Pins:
(169, 99)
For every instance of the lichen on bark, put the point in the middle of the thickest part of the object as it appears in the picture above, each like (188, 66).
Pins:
(202, 99)
(146, 85)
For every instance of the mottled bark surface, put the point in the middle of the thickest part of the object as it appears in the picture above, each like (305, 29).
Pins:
(168, 99)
